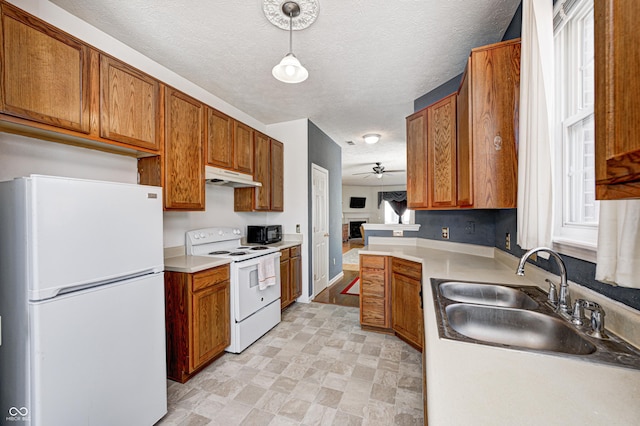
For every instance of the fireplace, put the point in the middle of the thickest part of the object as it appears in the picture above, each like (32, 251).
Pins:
(354, 228)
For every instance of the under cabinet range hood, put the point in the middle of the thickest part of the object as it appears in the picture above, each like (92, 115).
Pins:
(223, 177)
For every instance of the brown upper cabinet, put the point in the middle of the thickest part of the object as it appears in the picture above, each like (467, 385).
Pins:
(487, 116)
(617, 107)
(268, 170)
(130, 105)
(183, 152)
(229, 142)
(431, 156)
(45, 73)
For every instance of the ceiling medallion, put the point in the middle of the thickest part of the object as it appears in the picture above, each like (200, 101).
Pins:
(309, 10)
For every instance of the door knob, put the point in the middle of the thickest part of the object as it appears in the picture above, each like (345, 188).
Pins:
(326, 234)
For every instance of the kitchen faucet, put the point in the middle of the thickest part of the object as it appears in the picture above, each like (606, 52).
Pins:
(564, 301)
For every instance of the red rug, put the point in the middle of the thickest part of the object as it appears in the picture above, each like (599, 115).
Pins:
(350, 289)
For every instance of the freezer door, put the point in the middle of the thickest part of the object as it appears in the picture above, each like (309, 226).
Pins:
(99, 356)
(82, 232)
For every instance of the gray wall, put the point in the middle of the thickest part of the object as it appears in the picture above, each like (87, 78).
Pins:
(324, 152)
(491, 226)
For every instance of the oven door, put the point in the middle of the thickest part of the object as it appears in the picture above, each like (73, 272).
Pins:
(247, 298)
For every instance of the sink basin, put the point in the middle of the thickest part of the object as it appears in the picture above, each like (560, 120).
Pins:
(516, 327)
(486, 294)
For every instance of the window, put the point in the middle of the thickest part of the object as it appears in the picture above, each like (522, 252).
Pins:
(390, 217)
(575, 206)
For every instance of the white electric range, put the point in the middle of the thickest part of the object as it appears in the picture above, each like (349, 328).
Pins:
(253, 311)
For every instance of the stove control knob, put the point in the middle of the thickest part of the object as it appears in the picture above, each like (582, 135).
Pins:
(236, 231)
(202, 235)
(195, 236)
(221, 232)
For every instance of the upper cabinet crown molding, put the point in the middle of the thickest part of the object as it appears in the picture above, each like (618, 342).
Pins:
(617, 100)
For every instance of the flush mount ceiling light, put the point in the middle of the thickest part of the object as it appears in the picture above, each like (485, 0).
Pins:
(371, 138)
(291, 15)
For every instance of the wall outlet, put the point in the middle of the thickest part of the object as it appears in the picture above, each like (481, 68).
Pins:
(297, 228)
(398, 232)
(507, 241)
(445, 233)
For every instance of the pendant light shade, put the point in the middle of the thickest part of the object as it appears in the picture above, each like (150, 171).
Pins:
(290, 70)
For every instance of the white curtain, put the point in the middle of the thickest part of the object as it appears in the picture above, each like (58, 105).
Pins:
(619, 243)
(535, 198)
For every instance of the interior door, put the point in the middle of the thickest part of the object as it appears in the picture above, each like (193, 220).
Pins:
(320, 220)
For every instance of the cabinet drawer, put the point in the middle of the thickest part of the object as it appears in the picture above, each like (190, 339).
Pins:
(284, 254)
(372, 283)
(373, 312)
(207, 278)
(407, 268)
(295, 251)
(375, 262)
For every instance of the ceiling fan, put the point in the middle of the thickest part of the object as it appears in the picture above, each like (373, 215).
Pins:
(378, 171)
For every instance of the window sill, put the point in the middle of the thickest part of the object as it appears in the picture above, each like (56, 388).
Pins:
(579, 250)
(391, 226)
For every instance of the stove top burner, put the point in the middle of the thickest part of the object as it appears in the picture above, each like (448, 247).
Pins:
(238, 253)
(213, 253)
(259, 248)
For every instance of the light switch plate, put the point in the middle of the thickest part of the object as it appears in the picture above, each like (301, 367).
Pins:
(398, 232)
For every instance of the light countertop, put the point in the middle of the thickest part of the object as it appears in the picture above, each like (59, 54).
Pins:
(176, 261)
(475, 384)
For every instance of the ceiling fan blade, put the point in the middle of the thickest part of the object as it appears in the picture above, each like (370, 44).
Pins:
(392, 171)
(365, 173)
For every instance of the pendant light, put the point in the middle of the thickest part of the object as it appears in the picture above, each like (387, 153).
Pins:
(290, 70)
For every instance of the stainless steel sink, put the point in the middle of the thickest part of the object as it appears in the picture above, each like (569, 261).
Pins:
(486, 294)
(516, 327)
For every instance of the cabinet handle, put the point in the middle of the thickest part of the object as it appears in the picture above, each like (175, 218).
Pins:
(421, 307)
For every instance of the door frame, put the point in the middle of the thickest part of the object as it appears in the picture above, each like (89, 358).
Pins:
(318, 169)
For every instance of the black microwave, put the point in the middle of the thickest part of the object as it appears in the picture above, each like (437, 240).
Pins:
(264, 234)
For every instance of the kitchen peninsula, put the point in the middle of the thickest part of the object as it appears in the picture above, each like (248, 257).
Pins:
(484, 385)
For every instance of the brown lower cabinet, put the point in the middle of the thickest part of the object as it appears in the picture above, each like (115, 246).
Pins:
(406, 301)
(290, 275)
(390, 297)
(197, 320)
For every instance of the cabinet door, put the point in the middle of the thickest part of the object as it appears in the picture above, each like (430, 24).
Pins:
(219, 139)
(417, 196)
(129, 105)
(243, 148)
(296, 276)
(285, 283)
(406, 312)
(184, 162)
(494, 93)
(464, 147)
(374, 292)
(211, 323)
(617, 108)
(262, 171)
(45, 73)
(441, 141)
(277, 176)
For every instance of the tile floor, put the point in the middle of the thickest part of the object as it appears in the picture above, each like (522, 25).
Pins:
(317, 367)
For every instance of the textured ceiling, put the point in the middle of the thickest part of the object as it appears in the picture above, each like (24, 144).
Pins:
(367, 60)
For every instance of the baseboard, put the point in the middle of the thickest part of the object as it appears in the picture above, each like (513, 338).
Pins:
(336, 279)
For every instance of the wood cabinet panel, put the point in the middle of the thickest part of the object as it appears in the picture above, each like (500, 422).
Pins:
(219, 139)
(441, 142)
(45, 75)
(296, 273)
(406, 301)
(494, 78)
(617, 106)
(130, 105)
(375, 297)
(262, 172)
(197, 320)
(277, 176)
(417, 191)
(285, 282)
(184, 162)
(464, 148)
(211, 323)
(243, 147)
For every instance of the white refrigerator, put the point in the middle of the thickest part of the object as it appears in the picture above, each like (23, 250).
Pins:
(82, 333)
